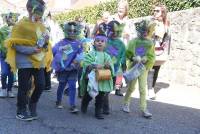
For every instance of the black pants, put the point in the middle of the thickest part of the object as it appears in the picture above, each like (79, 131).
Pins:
(155, 75)
(106, 107)
(47, 79)
(24, 76)
(98, 101)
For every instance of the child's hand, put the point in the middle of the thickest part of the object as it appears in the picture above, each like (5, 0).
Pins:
(144, 59)
(75, 62)
(37, 50)
(107, 65)
(99, 67)
(137, 59)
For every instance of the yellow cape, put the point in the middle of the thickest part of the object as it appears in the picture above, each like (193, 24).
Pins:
(25, 33)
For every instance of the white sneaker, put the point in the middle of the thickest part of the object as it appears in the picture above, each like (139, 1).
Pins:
(3, 93)
(151, 94)
(126, 108)
(11, 94)
(146, 114)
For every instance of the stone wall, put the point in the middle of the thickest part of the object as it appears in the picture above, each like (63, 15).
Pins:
(183, 66)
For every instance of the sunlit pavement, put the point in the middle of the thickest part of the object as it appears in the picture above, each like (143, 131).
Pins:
(176, 110)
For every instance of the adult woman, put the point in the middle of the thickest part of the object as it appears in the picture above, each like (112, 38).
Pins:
(159, 33)
(101, 24)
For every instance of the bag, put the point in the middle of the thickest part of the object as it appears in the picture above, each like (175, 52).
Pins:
(134, 72)
(103, 74)
(92, 86)
(161, 56)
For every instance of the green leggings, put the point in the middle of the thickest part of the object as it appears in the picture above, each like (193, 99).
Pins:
(142, 80)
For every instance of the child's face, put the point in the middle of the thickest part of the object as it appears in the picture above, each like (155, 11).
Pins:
(99, 44)
(72, 33)
(143, 34)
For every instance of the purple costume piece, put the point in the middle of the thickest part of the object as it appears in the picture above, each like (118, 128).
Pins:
(64, 53)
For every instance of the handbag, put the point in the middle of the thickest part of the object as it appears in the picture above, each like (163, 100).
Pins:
(103, 74)
(161, 56)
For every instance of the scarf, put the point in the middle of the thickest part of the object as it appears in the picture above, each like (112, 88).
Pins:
(26, 33)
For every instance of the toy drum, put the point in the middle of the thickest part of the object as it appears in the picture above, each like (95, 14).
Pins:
(103, 74)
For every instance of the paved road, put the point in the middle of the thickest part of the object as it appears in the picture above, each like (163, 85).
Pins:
(167, 118)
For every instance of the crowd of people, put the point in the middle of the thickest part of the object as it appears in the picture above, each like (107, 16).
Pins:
(33, 48)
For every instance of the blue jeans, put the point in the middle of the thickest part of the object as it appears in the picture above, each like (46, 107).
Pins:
(6, 74)
(72, 91)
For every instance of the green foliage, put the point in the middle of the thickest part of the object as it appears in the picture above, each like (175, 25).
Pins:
(137, 8)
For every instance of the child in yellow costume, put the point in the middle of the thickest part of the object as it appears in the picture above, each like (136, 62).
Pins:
(139, 51)
(28, 51)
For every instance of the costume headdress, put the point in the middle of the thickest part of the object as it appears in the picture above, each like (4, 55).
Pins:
(115, 28)
(72, 29)
(142, 27)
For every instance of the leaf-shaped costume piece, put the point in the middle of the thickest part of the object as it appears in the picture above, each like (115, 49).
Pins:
(142, 26)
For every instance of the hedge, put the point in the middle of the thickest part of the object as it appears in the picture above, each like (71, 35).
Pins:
(137, 8)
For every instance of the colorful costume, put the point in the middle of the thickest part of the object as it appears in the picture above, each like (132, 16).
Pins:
(67, 57)
(103, 87)
(5, 68)
(139, 47)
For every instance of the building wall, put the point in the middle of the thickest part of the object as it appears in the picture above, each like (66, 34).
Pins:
(183, 66)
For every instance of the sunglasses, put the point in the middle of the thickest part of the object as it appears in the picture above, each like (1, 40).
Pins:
(157, 11)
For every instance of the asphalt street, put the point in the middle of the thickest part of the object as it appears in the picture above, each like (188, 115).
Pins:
(168, 117)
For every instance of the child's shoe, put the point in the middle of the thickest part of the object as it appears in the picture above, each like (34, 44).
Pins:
(98, 113)
(146, 114)
(151, 94)
(3, 93)
(73, 109)
(118, 92)
(11, 94)
(59, 105)
(126, 108)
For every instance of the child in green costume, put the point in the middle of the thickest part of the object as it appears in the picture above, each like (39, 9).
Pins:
(97, 59)
(139, 50)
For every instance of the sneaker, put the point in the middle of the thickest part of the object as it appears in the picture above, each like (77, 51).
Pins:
(151, 94)
(15, 84)
(118, 92)
(3, 93)
(59, 105)
(126, 108)
(47, 90)
(24, 116)
(11, 94)
(146, 114)
(73, 109)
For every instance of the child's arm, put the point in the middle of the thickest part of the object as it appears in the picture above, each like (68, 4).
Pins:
(123, 58)
(150, 57)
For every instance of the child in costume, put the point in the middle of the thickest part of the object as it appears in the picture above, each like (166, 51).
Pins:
(29, 52)
(139, 50)
(116, 49)
(67, 57)
(7, 76)
(97, 59)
